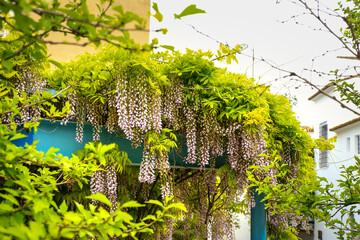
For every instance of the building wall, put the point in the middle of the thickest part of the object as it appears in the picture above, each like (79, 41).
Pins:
(327, 110)
(63, 52)
(340, 156)
(243, 232)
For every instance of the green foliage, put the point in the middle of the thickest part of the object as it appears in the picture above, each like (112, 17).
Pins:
(29, 23)
(351, 11)
(225, 53)
(322, 144)
(162, 143)
(157, 14)
(189, 10)
(331, 204)
(348, 92)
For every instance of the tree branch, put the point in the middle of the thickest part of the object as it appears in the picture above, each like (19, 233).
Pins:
(293, 74)
(40, 12)
(327, 27)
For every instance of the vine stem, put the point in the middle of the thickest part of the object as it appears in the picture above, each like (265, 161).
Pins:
(225, 87)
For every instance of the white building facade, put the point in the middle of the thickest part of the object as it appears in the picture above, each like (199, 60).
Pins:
(329, 120)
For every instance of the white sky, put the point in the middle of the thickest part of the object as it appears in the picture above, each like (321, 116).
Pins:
(256, 23)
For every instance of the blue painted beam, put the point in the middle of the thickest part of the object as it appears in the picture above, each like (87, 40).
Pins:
(258, 218)
(53, 134)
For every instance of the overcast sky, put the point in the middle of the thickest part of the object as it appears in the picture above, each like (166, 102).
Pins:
(259, 25)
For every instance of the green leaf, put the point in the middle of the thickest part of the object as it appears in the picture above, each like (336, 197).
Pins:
(149, 217)
(67, 233)
(7, 64)
(3, 93)
(37, 230)
(5, 207)
(57, 64)
(103, 213)
(179, 206)
(101, 198)
(157, 14)
(132, 204)
(63, 207)
(11, 191)
(71, 217)
(11, 198)
(40, 204)
(123, 216)
(163, 30)
(168, 47)
(152, 201)
(190, 10)
(18, 136)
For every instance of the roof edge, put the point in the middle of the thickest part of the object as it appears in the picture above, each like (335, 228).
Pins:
(320, 91)
(345, 124)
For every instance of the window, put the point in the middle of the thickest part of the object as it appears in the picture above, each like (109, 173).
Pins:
(323, 156)
(348, 144)
(320, 237)
(357, 144)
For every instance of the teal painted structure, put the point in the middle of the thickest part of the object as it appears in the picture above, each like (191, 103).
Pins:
(258, 218)
(53, 134)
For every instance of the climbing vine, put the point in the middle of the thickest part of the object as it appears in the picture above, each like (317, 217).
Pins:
(152, 99)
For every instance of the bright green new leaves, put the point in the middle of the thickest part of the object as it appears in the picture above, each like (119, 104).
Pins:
(161, 143)
(132, 204)
(190, 10)
(101, 198)
(227, 54)
(168, 47)
(31, 22)
(157, 14)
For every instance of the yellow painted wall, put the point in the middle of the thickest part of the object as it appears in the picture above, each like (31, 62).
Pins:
(63, 53)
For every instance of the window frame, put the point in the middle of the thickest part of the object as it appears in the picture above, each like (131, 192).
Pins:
(357, 144)
(323, 155)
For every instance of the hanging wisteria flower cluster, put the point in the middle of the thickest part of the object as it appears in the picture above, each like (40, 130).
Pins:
(29, 82)
(104, 181)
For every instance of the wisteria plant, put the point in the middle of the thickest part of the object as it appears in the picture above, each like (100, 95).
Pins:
(147, 97)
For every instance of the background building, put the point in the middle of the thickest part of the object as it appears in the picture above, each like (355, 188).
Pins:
(65, 52)
(330, 120)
